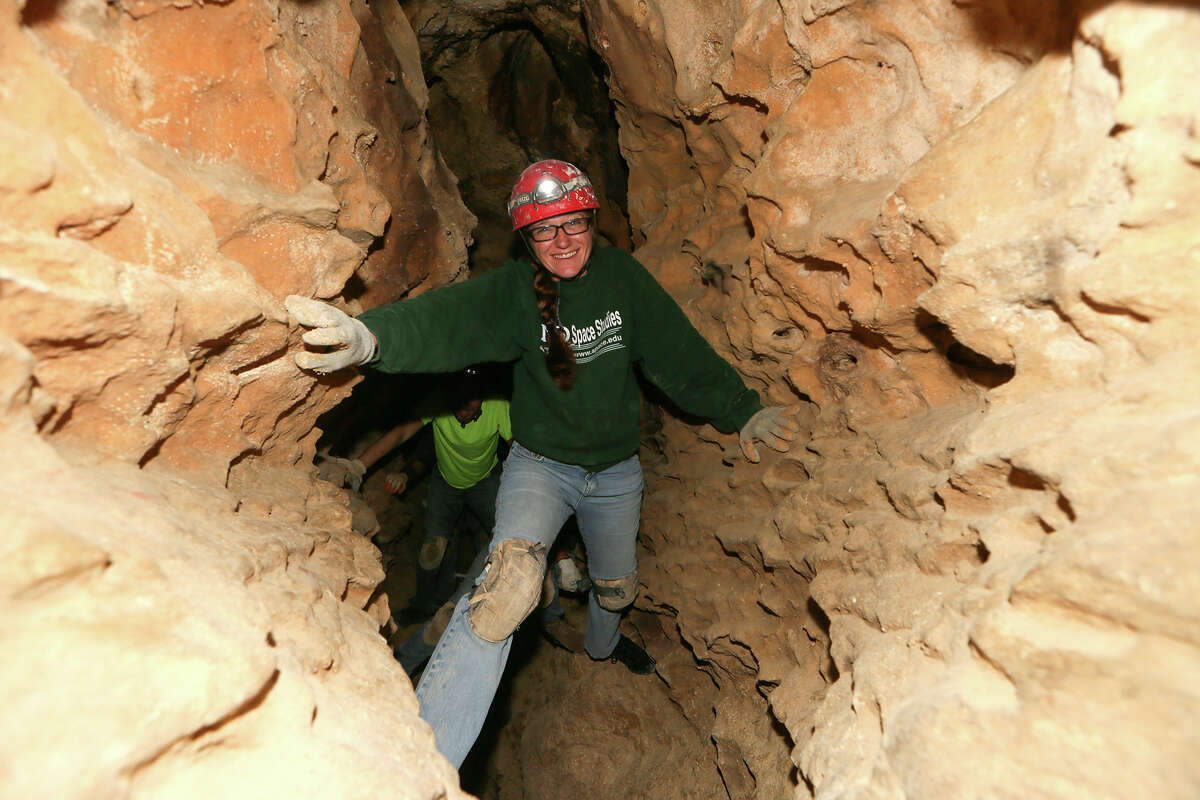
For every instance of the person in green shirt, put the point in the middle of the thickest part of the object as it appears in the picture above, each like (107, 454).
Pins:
(465, 478)
(577, 320)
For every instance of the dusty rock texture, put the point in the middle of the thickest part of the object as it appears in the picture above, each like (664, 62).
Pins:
(964, 238)
(185, 604)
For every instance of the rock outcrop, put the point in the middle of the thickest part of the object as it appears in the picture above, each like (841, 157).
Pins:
(186, 604)
(950, 233)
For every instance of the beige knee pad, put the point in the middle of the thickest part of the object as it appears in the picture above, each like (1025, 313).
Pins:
(616, 594)
(432, 553)
(512, 584)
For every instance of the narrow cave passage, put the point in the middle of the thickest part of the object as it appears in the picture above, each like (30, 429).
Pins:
(957, 238)
(507, 92)
(501, 96)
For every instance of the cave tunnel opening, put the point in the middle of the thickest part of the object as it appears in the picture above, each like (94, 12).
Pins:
(505, 92)
(516, 93)
(502, 94)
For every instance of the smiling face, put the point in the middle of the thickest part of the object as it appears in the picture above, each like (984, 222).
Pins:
(566, 256)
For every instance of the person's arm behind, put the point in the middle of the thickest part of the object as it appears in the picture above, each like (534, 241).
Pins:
(390, 441)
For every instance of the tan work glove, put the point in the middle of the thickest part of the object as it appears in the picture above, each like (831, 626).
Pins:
(566, 576)
(333, 327)
(347, 472)
(772, 426)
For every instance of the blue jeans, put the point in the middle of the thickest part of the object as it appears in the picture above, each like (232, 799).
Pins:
(416, 649)
(445, 505)
(537, 495)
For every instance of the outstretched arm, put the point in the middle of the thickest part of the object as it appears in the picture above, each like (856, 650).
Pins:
(681, 363)
(442, 330)
(389, 441)
(331, 327)
(774, 426)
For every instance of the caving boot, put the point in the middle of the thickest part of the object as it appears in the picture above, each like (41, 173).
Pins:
(636, 660)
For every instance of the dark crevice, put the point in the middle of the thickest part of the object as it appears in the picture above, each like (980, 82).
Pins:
(211, 347)
(1064, 505)
(981, 553)
(743, 100)
(274, 355)
(167, 391)
(249, 705)
(1106, 308)
(975, 367)
(815, 264)
(152, 453)
(819, 616)
(872, 339)
(237, 460)
(37, 12)
(1024, 479)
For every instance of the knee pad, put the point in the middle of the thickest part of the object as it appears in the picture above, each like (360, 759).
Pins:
(511, 586)
(432, 553)
(616, 594)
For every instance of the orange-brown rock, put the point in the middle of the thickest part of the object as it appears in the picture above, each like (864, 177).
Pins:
(186, 604)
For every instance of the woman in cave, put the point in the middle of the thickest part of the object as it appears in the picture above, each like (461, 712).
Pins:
(576, 319)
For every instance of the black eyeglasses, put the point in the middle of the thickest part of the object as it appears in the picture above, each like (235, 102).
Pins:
(573, 227)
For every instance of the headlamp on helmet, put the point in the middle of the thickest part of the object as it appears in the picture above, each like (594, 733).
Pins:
(547, 189)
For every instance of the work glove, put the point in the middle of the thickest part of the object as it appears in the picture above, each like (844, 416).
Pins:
(772, 426)
(333, 327)
(567, 577)
(346, 472)
(396, 482)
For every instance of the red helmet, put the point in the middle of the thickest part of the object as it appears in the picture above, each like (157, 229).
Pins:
(547, 189)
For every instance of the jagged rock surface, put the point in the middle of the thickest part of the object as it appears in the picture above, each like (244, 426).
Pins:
(186, 605)
(948, 230)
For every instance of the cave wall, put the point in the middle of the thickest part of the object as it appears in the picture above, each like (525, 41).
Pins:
(957, 236)
(963, 238)
(184, 603)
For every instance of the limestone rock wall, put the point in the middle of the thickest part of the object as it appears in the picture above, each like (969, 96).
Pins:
(963, 237)
(184, 604)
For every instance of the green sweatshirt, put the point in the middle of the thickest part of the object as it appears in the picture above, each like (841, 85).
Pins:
(615, 315)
